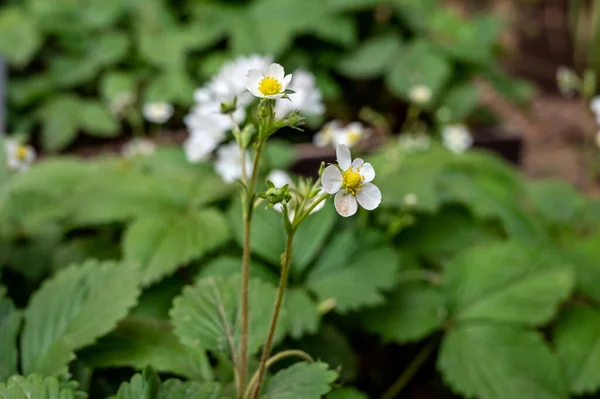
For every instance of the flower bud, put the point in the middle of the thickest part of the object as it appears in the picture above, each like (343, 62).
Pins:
(277, 195)
(229, 107)
(294, 120)
(246, 135)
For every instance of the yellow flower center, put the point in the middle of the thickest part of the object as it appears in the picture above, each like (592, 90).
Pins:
(21, 152)
(269, 86)
(352, 180)
(353, 137)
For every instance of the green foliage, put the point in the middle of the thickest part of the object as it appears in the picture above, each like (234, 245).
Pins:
(72, 310)
(36, 386)
(301, 381)
(10, 322)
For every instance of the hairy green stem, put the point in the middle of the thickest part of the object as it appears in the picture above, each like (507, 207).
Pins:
(410, 371)
(285, 269)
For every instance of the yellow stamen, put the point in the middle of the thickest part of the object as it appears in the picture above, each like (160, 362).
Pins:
(352, 180)
(269, 86)
(21, 152)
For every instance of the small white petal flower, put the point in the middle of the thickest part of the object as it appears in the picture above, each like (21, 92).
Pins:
(138, 146)
(410, 199)
(158, 112)
(350, 135)
(306, 99)
(229, 162)
(19, 157)
(420, 94)
(350, 181)
(325, 137)
(457, 138)
(270, 83)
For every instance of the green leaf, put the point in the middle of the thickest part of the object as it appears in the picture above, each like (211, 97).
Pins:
(301, 381)
(174, 86)
(414, 311)
(60, 120)
(96, 120)
(207, 314)
(507, 281)
(347, 393)
(461, 100)
(500, 362)
(116, 83)
(20, 38)
(225, 266)
(311, 236)
(303, 315)
(10, 322)
(73, 309)
(165, 49)
(141, 386)
(175, 389)
(346, 268)
(138, 342)
(555, 200)
(583, 255)
(576, 337)
(110, 48)
(35, 386)
(161, 243)
(420, 64)
(373, 58)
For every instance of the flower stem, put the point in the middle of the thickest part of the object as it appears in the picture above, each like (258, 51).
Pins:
(285, 269)
(410, 371)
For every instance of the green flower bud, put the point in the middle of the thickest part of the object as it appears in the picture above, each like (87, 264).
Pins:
(229, 107)
(246, 135)
(294, 120)
(277, 195)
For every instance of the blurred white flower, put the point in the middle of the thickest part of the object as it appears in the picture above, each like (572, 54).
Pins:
(19, 157)
(202, 141)
(567, 81)
(420, 94)
(279, 178)
(595, 107)
(158, 112)
(138, 146)
(410, 200)
(325, 137)
(410, 142)
(306, 99)
(350, 181)
(229, 162)
(270, 83)
(350, 135)
(457, 138)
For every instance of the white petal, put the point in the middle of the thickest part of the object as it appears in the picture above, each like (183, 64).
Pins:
(357, 163)
(332, 179)
(286, 81)
(367, 172)
(369, 196)
(252, 80)
(345, 204)
(320, 140)
(344, 158)
(275, 71)
(279, 178)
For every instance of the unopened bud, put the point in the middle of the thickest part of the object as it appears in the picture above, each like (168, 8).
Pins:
(246, 135)
(229, 107)
(277, 195)
(294, 120)
(321, 169)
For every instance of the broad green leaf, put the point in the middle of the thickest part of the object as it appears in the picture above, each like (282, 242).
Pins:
(311, 236)
(373, 58)
(420, 64)
(516, 90)
(507, 281)
(414, 311)
(303, 315)
(500, 362)
(110, 48)
(161, 243)
(347, 267)
(300, 381)
(72, 310)
(140, 341)
(174, 86)
(583, 255)
(576, 337)
(117, 83)
(278, 154)
(29, 90)
(156, 300)
(96, 120)
(175, 389)
(10, 322)
(34, 386)
(347, 393)
(141, 386)
(461, 99)
(207, 314)
(225, 266)
(555, 200)
(337, 29)
(60, 120)
(20, 38)
(165, 48)
(352, 5)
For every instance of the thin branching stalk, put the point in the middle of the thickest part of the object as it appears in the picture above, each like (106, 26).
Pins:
(285, 269)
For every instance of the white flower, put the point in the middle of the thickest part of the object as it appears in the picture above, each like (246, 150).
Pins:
(306, 99)
(229, 162)
(457, 138)
(138, 146)
(410, 199)
(350, 135)
(203, 140)
(325, 137)
(595, 107)
(567, 81)
(350, 181)
(420, 94)
(414, 142)
(19, 157)
(279, 178)
(270, 83)
(158, 112)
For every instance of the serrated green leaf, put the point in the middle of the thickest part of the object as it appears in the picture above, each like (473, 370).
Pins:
(141, 386)
(576, 337)
(347, 393)
(96, 120)
(139, 341)
(500, 362)
(555, 200)
(174, 86)
(301, 381)
(115, 83)
(175, 389)
(303, 315)
(60, 120)
(161, 243)
(19, 35)
(72, 310)
(461, 99)
(414, 311)
(345, 269)
(111, 47)
(207, 314)
(225, 266)
(372, 58)
(583, 255)
(311, 236)
(35, 386)
(10, 322)
(507, 281)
